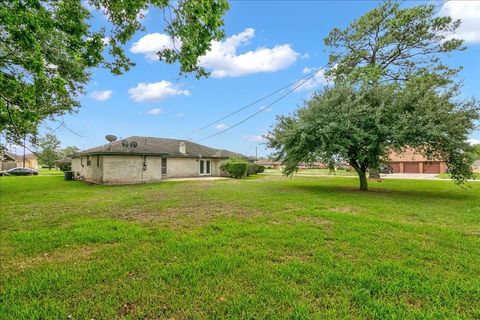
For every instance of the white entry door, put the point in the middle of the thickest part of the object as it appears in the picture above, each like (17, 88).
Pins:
(205, 167)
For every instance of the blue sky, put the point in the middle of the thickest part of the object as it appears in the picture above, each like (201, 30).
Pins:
(268, 44)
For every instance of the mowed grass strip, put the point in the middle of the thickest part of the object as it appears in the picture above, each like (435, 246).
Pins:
(262, 248)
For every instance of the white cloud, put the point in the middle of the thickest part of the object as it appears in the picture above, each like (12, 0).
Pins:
(101, 95)
(152, 43)
(155, 111)
(221, 126)
(314, 82)
(254, 138)
(148, 92)
(180, 114)
(473, 141)
(223, 61)
(469, 13)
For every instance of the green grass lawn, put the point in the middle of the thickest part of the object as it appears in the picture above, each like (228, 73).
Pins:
(447, 176)
(48, 172)
(262, 248)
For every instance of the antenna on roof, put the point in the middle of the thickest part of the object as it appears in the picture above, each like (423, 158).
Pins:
(110, 138)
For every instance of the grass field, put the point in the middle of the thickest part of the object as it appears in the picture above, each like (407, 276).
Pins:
(447, 176)
(262, 248)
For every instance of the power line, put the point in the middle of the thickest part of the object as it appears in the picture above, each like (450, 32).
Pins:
(251, 104)
(263, 109)
(308, 77)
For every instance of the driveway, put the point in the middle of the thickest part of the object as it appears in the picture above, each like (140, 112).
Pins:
(420, 176)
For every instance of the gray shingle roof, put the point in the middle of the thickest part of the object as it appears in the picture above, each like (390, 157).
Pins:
(159, 146)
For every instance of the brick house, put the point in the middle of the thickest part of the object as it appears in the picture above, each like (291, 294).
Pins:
(411, 161)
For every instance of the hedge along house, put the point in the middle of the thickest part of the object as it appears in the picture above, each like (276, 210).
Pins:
(147, 159)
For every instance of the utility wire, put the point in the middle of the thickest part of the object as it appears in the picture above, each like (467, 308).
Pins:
(252, 103)
(308, 77)
(263, 109)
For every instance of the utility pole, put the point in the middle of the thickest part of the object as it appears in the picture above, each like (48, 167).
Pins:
(24, 138)
(256, 152)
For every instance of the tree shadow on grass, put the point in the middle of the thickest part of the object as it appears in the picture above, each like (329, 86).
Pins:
(383, 192)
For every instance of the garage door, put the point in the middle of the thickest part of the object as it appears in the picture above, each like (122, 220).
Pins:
(411, 168)
(431, 167)
(395, 167)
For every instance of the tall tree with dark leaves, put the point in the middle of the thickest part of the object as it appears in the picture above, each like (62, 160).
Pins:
(48, 150)
(390, 90)
(47, 48)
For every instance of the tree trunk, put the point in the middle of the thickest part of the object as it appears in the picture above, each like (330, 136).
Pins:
(362, 175)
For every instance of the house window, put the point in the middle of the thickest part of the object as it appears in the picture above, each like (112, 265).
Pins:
(204, 169)
(98, 161)
(164, 166)
(89, 161)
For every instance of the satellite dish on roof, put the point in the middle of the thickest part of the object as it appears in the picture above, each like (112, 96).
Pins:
(125, 143)
(111, 137)
(133, 144)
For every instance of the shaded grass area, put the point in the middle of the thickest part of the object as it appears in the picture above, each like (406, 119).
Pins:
(265, 247)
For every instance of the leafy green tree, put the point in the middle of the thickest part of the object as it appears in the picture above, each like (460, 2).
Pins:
(48, 150)
(361, 126)
(392, 44)
(476, 152)
(69, 151)
(47, 48)
(391, 91)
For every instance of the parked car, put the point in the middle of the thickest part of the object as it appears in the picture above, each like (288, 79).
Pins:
(19, 172)
(385, 169)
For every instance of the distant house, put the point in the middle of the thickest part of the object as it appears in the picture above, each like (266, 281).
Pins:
(11, 160)
(269, 164)
(147, 159)
(476, 166)
(411, 161)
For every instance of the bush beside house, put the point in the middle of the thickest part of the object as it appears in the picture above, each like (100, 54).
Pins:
(240, 168)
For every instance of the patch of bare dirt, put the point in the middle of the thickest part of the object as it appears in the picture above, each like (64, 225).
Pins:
(315, 220)
(344, 209)
(184, 206)
(65, 255)
(127, 308)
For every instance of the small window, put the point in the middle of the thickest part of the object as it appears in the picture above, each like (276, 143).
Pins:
(89, 161)
(164, 166)
(98, 161)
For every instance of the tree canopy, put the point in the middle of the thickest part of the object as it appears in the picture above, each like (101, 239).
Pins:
(390, 43)
(47, 48)
(48, 150)
(390, 90)
(363, 126)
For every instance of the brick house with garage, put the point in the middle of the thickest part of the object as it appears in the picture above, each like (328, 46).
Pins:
(412, 161)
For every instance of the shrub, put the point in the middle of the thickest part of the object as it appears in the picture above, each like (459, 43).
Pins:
(260, 168)
(64, 166)
(252, 168)
(235, 168)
